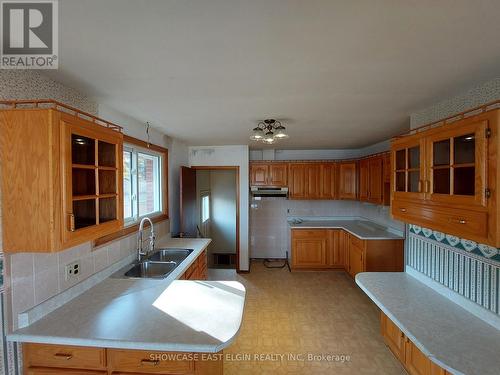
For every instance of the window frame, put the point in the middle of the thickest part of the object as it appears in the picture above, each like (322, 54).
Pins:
(205, 194)
(159, 216)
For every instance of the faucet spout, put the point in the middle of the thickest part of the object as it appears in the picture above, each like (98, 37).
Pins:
(152, 237)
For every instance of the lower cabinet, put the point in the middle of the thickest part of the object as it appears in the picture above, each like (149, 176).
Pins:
(415, 362)
(336, 248)
(198, 269)
(44, 359)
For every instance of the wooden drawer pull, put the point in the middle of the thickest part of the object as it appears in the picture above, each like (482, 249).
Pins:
(402, 209)
(458, 221)
(65, 356)
(150, 362)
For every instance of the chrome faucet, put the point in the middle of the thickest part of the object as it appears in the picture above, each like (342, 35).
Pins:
(140, 251)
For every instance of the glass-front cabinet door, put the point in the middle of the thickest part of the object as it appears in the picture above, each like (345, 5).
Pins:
(408, 169)
(456, 161)
(92, 167)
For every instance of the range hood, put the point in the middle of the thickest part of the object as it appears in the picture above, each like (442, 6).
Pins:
(262, 191)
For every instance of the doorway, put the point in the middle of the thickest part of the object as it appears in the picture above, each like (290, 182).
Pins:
(209, 208)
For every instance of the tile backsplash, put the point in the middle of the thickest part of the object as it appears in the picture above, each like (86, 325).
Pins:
(269, 228)
(32, 278)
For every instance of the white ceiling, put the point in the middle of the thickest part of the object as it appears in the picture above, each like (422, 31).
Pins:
(340, 73)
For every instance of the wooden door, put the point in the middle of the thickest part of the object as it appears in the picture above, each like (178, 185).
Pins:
(92, 180)
(364, 180)
(457, 162)
(415, 361)
(335, 254)
(393, 337)
(375, 167)
(309, 248)
(259, 173)
(328, 179)
(387, 167)
(347, 180)
(408, 168)
(188, 216)
(278, 173)
(313, 180)
(356, 264)
(297, 181)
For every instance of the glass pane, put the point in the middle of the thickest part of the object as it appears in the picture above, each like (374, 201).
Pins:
(205, 208)
(414, 157)
(400, 181)
(442, 152)
(84, 212)
(83, 181)
(107, 182)
(464, 149)
(148, 175)
(464, 181)
(401, 159)
(127, 184)
(413, 179)
(106, 154)
(107, 209)
(441, 181)
(82, 150)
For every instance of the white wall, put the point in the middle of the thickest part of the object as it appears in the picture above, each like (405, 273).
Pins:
(223, 211)
(229, 156)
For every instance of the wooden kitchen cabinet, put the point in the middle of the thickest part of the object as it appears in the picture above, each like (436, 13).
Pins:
(444, 178)
(55, 371)
(412, 358)
(364, 180)
(309, 248)
(372, 187)
(268, 174)
(297, 181)
(313, 181)
(335, 251)
(356, 259)
(198, 269)
(329, 180)
(348, 180)
(61, 178)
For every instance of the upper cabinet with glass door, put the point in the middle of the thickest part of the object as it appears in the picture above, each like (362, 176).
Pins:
(446, 177)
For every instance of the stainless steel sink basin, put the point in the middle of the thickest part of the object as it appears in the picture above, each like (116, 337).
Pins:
(170, 255)
(149, 269)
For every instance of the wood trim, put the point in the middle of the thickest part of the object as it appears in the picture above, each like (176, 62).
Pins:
(237, 170)
(165, 212)
(126, 231)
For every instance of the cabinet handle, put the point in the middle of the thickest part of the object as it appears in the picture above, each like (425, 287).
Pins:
(71, 222)
(150, 362)
(419, 186)
(402, 209)
(65, 356)
(458, 221)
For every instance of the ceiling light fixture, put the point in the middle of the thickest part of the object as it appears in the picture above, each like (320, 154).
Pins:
(268, 131)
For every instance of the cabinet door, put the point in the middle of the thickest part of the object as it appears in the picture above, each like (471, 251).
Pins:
(313, 181)
(415, 361)
(278, 174)
(375, 167)
(259, 174)
(309, 248)
(387, 167)
(92, 180)
(335, 254)
(364, 180)
(393, 337)
(355, 259)
(457, 160)
(347, 180)
(61, 371)
(408, 163)
(329, 181)
(297, 181)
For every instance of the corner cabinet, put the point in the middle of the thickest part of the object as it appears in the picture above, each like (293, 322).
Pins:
(268, 174)
(446, 178)
(61, 179)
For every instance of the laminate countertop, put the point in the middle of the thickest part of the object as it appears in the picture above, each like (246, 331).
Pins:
(361, 228)
(163, 315)
(449, 335)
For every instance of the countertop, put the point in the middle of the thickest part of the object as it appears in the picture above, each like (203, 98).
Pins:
(163, 315)
(452, 337)
(361, 228)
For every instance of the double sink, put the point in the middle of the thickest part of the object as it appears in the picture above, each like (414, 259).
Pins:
(159, 264)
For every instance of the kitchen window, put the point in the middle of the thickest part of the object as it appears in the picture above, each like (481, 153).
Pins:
(142, 183)
(205, 207)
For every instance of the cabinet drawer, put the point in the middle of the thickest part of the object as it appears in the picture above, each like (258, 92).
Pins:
(45, 355)
(309, 233)
(463, 223)
(61, 371)
(355, 241)
(150, 362)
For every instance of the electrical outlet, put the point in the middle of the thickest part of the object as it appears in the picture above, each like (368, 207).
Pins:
(72, 270)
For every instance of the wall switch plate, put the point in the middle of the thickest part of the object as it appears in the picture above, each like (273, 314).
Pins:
(72, 270)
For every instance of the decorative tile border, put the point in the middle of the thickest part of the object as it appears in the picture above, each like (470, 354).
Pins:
(472, 275)
(463, 244)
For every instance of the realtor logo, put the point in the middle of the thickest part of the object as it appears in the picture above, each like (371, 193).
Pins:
(29, 34)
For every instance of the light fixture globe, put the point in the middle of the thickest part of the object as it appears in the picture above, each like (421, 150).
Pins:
(258, 134)
(280, 132)
(269, 137)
